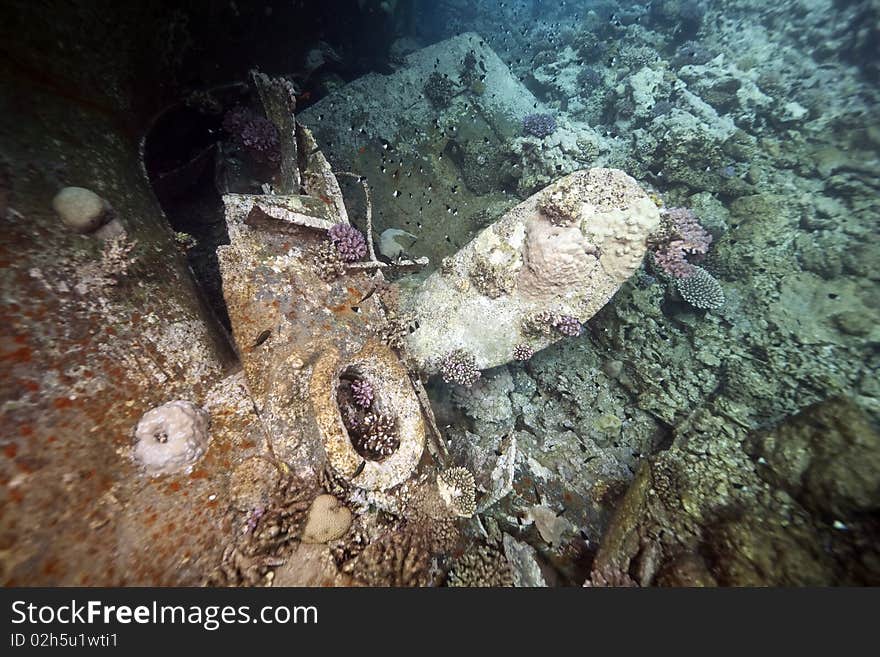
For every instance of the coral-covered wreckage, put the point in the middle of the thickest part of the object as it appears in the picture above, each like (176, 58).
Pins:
(294, 441)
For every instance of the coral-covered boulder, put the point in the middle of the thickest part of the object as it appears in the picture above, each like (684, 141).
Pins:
(558, 256)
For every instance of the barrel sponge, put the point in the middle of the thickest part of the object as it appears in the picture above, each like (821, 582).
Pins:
(171, 438)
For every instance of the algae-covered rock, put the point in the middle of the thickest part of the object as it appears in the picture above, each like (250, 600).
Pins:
(794, 511)
(827, 457)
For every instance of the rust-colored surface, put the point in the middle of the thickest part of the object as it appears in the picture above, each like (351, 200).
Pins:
(81, 362)
(78, 368)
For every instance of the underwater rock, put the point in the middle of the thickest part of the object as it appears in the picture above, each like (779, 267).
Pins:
(393, 242)
(827, 457)
(538, 162)
(440, 172)
(487, 401)
(171, 437)
(771, 517)
(570, 271)
(550, 524)
(523, 562)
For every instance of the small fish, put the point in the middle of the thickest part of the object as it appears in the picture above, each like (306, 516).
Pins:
(360, 469)
(261, 338)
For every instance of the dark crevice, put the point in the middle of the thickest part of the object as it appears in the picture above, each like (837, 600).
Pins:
(181, 153)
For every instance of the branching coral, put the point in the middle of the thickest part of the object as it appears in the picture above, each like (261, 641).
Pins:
(539, 324)
(523, 352)
(394, 329)
(491, 279)
(568, 325)
(539, 125)
(328, 261)
(268, 532)
(456, 487)
(544, 323)
(373, 435)
(560, 207)
(362, 392)
(682, 237)
(349, 241)
(401, 557)
(460, 367)
(681, 240)
(256, 135)
(484, 566)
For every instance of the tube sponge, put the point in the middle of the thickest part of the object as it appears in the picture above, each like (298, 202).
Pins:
(171, 437)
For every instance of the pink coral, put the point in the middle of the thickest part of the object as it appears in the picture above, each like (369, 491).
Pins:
(362, 392)
(687, 238)
(349, 242)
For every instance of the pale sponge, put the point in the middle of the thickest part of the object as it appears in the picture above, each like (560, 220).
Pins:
(81, 209)
(171, 437)
(328, 520)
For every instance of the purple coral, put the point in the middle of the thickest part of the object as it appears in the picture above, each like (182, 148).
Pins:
(362, 393)
(546, 321)
(539, 125)
(460, 367)
(255, 134)
(522, 352)
(687, 238)
(349, 241)
(568, 325)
